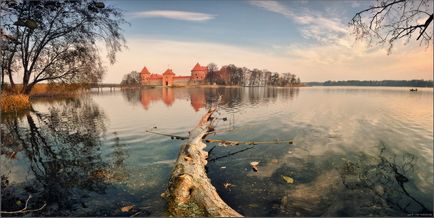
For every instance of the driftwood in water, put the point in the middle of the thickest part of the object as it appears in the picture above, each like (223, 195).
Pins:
(190, 192)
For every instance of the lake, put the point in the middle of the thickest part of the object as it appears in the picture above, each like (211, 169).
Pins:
(356, 151)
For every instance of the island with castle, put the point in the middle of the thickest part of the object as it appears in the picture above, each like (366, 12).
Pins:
(227, 75)
(169, 78)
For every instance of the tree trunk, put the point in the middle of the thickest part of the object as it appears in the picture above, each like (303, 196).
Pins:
(27, 88)
(11, 80)
(2, 86)
(190, 192)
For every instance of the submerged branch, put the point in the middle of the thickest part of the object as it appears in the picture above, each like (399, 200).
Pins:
(169, 135)
(25, 210)
(233, 143)
(232, 153)
(226, 142)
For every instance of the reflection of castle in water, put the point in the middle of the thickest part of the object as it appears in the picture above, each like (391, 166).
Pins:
(200, 97)
(168, 96)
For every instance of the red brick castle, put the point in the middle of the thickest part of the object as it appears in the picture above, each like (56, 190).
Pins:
(168, 78)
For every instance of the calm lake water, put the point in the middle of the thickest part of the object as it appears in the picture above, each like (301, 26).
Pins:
(355, 152)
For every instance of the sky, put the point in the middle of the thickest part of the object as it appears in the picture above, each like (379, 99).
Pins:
(311, 39)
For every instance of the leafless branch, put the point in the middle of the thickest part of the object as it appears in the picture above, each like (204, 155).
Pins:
(390, 20)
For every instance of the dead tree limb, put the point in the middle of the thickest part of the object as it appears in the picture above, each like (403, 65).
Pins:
(190, 192)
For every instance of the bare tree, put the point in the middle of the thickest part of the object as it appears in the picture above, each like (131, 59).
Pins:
(387, 21)
(212, 73)
(131, 79)
(57, 40)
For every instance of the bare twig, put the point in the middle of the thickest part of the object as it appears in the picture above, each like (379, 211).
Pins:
(25, 210)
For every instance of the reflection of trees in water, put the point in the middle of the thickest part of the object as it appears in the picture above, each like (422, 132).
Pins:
(62, 149)
(387, 178)
(131, 95)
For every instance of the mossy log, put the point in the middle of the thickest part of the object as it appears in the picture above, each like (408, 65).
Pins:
(190, 192)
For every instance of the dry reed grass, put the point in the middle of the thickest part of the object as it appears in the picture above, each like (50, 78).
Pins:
(11, 101)
(14, 103)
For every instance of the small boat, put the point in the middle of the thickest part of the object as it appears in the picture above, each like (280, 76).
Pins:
(413, 90)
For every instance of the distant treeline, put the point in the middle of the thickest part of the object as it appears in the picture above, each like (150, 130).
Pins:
(396, 83)
(242, 76)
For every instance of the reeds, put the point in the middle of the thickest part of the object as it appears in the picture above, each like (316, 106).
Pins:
(14, 102)
(11, 101)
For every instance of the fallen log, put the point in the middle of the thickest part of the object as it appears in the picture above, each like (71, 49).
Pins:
(190, 192)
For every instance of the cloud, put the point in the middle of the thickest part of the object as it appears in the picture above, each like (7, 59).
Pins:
(355, 4)
(273, 6)
(312, 25)
(176, 15)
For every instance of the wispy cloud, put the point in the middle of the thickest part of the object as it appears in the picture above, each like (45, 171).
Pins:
(312, 25)
(176, 15)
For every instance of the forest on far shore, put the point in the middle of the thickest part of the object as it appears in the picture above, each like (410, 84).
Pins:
(395, 83)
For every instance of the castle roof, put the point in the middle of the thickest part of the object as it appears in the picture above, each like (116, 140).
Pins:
(168, 72)
(197, 67)
(145, 71)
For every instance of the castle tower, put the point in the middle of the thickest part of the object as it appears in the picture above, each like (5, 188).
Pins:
(145, 76)
(198, 73)
(168, 77)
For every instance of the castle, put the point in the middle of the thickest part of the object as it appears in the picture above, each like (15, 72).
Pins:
(168, 78)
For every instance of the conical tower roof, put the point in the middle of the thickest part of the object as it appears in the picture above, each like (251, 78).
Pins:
(145, 71)
(197, 67)
(168, 72)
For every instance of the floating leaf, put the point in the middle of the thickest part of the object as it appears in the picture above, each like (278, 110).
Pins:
(127, 208)
(253, 205)
(228, 185)
(288, 179)
(254, 165)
